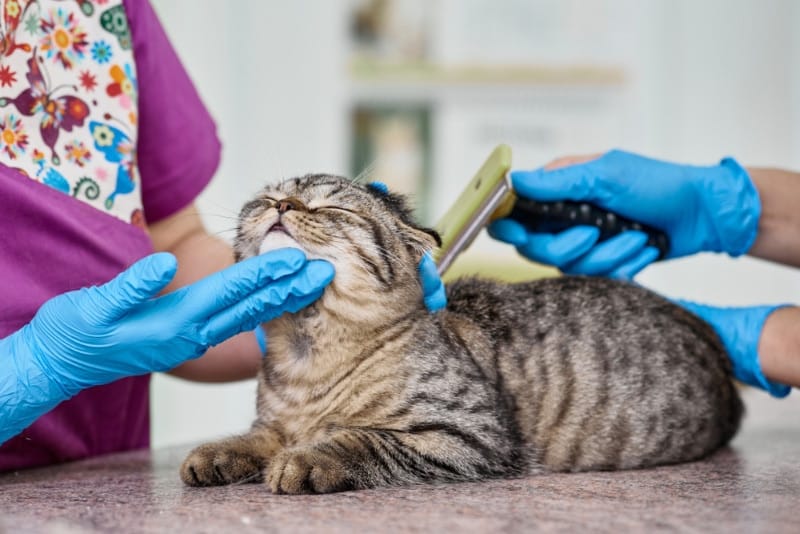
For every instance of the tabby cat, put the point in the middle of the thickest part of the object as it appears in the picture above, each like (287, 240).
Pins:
(366, 388)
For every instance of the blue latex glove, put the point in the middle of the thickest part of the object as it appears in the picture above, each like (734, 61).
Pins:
(432, 287)
(713, 209)
(96, 335)
(740, 330)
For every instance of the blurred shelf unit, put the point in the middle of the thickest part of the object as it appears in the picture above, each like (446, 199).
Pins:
(381, 81)
(433, 85)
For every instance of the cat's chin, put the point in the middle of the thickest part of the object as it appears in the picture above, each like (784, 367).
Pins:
(276, 240)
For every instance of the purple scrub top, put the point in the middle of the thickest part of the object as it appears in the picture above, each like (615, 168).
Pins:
(52, 242)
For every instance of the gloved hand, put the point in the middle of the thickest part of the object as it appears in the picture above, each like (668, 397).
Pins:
(432, 287)
(712, 209)
(740, 330)
(96, 335)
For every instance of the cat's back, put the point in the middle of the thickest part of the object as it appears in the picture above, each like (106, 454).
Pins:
(604, 374)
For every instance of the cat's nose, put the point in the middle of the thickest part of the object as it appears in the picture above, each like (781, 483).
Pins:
(287, 204)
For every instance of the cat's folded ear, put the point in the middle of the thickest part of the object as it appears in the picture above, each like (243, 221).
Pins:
(431, 234)
(425, 239)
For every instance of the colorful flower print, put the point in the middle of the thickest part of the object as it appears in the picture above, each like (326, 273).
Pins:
(101, 52)
(32, 24)
(124, 85)
(88, 81)
(103, 136)
(13, 13)
(13, 138)
(12, 8)
(77, 153)
(63, 38)
(7, 76)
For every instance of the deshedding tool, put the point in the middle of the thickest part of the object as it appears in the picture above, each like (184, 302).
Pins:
(489, 196)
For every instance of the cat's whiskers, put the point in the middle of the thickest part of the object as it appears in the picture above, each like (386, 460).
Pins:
(218, 216)
(388, 253)
(221, 233)
(364, 173)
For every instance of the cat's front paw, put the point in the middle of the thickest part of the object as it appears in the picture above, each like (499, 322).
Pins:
(307, 471)
(217, 464)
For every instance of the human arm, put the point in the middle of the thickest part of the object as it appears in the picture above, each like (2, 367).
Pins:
(96, 335)
(200, 254)
(779, 225)
(779, 346)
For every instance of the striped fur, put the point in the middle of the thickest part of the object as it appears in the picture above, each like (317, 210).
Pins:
(365, 388)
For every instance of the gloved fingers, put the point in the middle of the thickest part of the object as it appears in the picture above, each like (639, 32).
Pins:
(261, 338)
(567, 161)
(295, 303)
(508, 231)
(633, 266)
(608, 255)
(380, 187)
(236, 283)
(222, 328)
(270, 302)
(433, 291)
(562, 248)
(575, 182)
(138, 283)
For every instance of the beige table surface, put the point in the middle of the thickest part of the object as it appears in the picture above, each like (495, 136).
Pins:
(752, 486)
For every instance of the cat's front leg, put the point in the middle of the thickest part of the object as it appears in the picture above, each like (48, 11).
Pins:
(308, 470)
(345, 460)
(237, 459)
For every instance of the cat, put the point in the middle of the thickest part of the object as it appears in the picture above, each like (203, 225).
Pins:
(366, 388)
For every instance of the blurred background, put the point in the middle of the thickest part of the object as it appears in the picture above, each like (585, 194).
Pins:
(417, 92)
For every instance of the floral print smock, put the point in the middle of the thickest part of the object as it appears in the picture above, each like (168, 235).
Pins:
(68, 100)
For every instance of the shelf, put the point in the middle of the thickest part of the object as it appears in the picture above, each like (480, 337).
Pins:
(417, 74)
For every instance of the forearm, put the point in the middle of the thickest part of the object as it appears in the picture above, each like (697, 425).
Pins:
(779, 225)
(200, 254)
(779, 347)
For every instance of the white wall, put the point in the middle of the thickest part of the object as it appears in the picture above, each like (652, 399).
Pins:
(706, 78)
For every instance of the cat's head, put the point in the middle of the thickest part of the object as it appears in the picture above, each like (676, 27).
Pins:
(368, 234)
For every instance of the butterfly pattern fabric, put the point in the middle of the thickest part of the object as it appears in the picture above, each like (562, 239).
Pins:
(68, 100)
